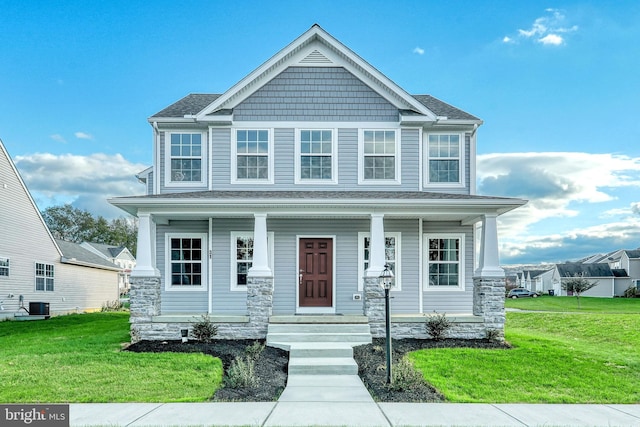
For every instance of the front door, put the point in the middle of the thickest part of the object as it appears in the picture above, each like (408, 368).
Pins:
(315, 279)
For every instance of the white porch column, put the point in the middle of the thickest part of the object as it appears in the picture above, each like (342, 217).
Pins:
(145, 265)
(260, 265)
(489, 262)
(376, 246)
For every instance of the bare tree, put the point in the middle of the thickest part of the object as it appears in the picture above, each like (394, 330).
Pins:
(577, 285)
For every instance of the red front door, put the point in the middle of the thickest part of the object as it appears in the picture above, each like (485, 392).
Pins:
(315, 280)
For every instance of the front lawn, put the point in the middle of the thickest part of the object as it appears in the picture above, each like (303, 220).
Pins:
(77, 358)
(591, 357)
(570, 304)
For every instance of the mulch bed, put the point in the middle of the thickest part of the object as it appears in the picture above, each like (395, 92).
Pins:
(271, 366)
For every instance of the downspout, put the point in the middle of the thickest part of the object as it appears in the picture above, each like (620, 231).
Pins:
(420, 268)
(156, 158)
(210, 266)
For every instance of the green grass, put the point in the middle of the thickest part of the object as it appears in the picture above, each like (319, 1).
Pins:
(77, 358)
(556, 357)
(570, 304)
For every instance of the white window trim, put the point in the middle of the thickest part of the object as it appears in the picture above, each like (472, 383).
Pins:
(35, 277)
(234, 157)
(397, 274)
(425, 261)
(203, 160)
(361, 155)
(205, 257)
(462, 160)
(233, 278)
(8, 267)
(334, 158)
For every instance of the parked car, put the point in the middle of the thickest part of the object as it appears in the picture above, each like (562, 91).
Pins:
(521, 293)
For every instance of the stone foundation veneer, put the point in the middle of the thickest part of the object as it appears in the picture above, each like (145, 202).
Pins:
(374, 306)
(488, 303)
(148, 323)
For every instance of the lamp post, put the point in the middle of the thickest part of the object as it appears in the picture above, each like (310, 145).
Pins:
(386, 281)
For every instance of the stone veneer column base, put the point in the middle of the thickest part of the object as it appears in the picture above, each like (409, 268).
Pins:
(259, 306)
(488, 302)
(144, 301)
(374, 306)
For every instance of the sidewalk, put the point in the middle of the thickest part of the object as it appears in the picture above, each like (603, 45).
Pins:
(352, 412)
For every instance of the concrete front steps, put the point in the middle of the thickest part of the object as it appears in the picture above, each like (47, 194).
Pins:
(319, 349)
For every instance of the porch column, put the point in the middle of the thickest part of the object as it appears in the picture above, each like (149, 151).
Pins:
(489, 262)
(145, 265)
(260, 266)
(376, 246)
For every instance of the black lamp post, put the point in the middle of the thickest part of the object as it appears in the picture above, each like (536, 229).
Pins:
(386, 281)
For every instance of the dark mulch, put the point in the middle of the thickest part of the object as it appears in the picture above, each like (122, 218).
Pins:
(271, 366)
(371, 359)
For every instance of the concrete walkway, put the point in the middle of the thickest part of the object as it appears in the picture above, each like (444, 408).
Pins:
(296, 410)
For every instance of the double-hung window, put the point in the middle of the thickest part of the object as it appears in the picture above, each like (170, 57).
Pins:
(379, 158)
(391, 256)
(44, 277)
(444, 262)
(444, 159)
(316, 154)
(186, 261)
(242, 257)
(252, 160)
(4, 267)
(185, 158)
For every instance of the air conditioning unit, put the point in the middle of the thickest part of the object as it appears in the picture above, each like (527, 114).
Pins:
(38, 308)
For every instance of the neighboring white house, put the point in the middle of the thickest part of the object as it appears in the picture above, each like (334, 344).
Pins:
(610, 281)
(288, 193)
(36, 268)
(120, 256)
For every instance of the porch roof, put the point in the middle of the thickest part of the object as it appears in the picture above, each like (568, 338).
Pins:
(408, 204)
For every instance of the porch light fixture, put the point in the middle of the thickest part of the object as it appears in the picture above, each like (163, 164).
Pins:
(387, 282)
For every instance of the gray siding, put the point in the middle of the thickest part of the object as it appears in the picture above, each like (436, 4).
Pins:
(451, 301)
(316, 94)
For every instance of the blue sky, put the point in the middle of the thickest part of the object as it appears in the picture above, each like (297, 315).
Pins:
(555, 82)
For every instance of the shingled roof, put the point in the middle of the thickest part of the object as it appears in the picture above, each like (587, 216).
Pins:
(572, 269)
(193, 103)
(73, 253)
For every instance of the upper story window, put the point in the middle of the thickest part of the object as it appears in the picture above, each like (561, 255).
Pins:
(4, 267)
(444, 261)
(444, 159)
(391, 256)
(316, 153)
(379, 156)
(186, 255)
(185, 159)
(252, 155)
(44, 277)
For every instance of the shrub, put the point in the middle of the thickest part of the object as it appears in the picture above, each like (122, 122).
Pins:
(114, 305)
(631, 292)
(241, 373)
(437, 325)
(492, 335)
(204, 330)
(253, 351)
(404, 376)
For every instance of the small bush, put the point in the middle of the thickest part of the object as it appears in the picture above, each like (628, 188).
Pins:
(204, 330)
(631, 292)
(253, 351)
(492, 335)
(437, 325)
(114, 305)
(404, 376)
(241, 373)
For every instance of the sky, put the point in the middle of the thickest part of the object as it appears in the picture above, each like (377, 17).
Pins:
(555, 82)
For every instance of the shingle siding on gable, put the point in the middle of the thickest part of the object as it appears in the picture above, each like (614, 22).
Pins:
(316, 94)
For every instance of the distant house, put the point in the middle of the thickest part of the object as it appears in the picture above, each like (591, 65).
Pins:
(34, 267)
(610, 281)
(120, 256)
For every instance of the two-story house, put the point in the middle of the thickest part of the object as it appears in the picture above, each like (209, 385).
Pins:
(285, 196)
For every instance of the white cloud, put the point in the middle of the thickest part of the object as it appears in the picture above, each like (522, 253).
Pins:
(418, 50)
(552, 39)
(635, 208)
(59, 138)
(83, 135)
(546, 29)
(87, 181)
